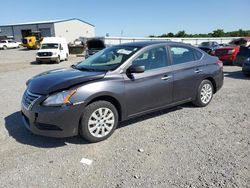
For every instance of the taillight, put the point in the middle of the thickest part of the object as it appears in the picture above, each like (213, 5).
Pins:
(219, 62)
(230, 51)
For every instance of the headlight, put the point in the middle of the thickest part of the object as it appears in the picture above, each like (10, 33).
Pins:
(59, 99)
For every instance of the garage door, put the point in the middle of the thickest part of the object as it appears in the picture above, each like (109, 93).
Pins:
(45, 32)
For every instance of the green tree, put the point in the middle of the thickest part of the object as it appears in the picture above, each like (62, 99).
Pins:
(181, 34)
(170, 34)
(218, 33)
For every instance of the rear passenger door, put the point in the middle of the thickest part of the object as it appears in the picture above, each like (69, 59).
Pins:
(187, 71)
(153, 88)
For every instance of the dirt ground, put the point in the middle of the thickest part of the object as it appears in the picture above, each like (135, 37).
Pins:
(178, 147)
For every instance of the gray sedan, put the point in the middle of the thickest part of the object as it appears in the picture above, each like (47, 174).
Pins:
(116, 84)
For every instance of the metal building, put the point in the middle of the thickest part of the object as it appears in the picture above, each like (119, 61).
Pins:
(70, 29)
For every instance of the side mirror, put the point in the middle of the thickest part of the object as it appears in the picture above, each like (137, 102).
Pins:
(136, 69)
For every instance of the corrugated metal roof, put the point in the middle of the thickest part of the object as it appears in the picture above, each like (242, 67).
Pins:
(45, 22)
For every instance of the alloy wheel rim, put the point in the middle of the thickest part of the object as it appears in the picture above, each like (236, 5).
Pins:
(206, 93)
(101, 122)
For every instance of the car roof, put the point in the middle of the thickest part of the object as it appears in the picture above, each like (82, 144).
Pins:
(149, 43)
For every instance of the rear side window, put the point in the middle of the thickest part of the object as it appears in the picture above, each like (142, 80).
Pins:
(182, 54)
(197, 54)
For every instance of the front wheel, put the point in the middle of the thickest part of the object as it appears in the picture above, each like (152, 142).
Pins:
(58, 59)
(204, 94)
(99, 121)
(5, 47)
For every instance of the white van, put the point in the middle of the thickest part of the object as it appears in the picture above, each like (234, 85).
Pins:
(53, 49)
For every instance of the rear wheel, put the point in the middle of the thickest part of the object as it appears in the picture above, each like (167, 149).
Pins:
(204, 94)
(99, 121)
(67, 57)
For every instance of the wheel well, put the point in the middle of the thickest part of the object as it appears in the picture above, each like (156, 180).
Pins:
(213, 82)
(112, 100)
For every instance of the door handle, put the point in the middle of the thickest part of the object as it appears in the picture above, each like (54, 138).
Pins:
(198, 71)
(166, 77)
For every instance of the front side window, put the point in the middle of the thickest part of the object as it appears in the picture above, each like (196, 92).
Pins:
(49, 46)
(108, 59)
(182, 55)
(152, 59)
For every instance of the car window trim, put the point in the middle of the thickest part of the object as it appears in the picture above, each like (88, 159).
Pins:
(129, 62)
(177, 45)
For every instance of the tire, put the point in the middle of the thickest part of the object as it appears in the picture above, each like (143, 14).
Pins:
(58, 59)
(246, 74)
(204, 94)
(102, 126)
(67, 57)
(5, 48)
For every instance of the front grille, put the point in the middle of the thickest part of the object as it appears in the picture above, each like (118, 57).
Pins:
(29, 99)
(44, 54)
(43, 126)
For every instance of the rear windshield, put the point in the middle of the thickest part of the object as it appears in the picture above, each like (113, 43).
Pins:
(205, 44)
(95, 44)
(50, 46)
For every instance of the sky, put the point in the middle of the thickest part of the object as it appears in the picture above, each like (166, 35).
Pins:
(138, 18)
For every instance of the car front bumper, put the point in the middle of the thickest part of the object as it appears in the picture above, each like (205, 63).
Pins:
(57, 122)
(46, 58)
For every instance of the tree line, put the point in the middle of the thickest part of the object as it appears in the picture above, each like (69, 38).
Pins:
(215, 33)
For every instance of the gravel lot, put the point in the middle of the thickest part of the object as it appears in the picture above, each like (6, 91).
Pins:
(180, 147)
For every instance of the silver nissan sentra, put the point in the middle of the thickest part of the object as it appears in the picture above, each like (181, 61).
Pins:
(116, 84)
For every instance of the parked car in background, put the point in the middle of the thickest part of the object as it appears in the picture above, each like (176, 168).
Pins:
(116, 84)
(209, 47)
(243, 55)
(246, 67)
(7, 44)
(244, 60)
(229, 53)
(93, 46)
(53, 49)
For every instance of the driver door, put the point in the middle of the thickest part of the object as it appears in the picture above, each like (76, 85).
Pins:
(153, 88)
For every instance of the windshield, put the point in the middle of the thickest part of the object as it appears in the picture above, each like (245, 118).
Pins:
(107, 59)
(50, 46)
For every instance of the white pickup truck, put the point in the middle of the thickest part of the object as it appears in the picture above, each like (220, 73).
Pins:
(5, 44)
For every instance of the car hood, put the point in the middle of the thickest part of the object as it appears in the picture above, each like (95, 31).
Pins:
(48, 50)
(60, 79)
